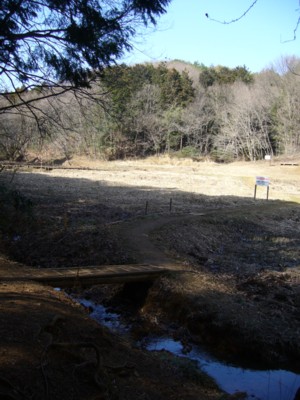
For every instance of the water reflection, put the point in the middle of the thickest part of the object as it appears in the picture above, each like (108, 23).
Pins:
(259, 385)
(109, 319)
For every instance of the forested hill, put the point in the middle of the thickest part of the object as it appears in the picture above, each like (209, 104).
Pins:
(180, 66)
(185, 110)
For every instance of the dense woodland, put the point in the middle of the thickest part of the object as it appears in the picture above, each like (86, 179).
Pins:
(182, 109)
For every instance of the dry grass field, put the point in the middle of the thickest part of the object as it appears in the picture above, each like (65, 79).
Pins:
(189, 177)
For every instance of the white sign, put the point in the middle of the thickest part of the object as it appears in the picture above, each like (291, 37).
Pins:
(262, 181)
(267, 157)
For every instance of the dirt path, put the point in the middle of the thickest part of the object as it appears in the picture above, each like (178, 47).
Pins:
(138, 241)
(137, 232)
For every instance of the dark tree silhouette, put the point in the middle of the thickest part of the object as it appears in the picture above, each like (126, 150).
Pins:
(64, 44)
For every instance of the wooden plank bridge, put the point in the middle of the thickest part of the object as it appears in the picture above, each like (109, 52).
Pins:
(88, 276)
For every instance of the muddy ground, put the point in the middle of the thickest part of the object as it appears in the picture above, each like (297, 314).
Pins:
(238, 291)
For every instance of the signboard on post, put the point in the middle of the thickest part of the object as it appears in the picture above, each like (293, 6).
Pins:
(268, 158)
(262, 181)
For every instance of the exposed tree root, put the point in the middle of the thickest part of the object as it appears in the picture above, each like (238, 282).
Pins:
(100, 376)
(11, 391)
(99, 361)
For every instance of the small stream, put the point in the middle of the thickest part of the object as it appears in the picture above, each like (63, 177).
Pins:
(258, 384)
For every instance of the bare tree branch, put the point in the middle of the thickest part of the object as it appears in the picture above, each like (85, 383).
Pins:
(295, 33)
(233, 20)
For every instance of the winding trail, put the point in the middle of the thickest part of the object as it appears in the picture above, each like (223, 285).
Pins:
(150, 260)
(136, 233)
(137, 239)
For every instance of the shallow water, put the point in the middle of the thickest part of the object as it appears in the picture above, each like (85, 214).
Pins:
(259, 384)
(108, 319)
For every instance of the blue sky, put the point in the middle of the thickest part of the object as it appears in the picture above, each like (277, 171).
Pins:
(262, 37)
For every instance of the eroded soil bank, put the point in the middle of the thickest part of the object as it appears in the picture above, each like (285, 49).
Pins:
(243, 294)
(52, 349)
(239, 289)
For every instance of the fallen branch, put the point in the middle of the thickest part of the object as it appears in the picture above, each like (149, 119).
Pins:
(99, 363)
(14, 392)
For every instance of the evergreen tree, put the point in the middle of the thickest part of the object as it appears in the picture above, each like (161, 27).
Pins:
(223, 75)
(63, 43)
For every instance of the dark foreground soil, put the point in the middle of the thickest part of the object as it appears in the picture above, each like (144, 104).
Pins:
(51, 349)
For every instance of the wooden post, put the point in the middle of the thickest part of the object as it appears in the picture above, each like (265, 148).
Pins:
(146, 208)
(262, 181)
(170, 206)
(65, 220)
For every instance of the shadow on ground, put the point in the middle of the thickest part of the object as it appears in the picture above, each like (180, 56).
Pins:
(242, 291)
